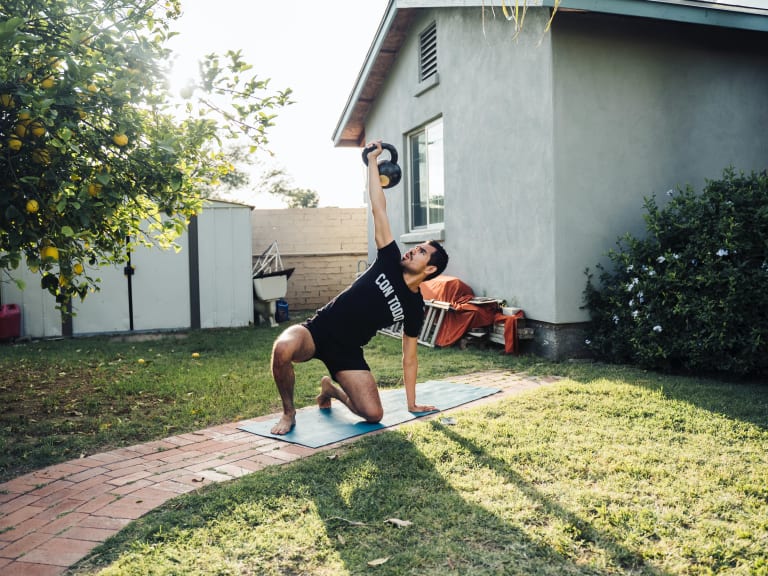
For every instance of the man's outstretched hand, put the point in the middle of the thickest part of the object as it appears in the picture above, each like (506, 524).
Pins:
(420, 408)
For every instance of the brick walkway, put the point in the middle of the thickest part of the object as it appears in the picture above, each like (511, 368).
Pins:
(51, 518)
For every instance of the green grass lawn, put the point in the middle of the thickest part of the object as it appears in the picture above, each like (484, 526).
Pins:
(60, 399)
(610, 471)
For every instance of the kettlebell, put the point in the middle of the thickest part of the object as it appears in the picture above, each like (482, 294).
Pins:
(389, 171)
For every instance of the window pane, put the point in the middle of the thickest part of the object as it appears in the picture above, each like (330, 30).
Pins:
(427, 180)
(435, 168)
(419, 180)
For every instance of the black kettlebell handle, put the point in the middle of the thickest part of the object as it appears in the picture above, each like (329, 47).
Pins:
(388, 147)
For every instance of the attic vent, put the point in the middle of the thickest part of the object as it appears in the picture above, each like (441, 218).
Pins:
(428, 52)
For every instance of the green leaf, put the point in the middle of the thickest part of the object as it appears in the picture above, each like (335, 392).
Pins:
(10, 27)
(11, 213)
(103, 178)
(176, 181)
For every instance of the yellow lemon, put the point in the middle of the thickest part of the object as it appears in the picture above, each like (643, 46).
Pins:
(7, 101)
(21, 128)
(140, 360)
(77, 268)
(195, 354)
(37, 129)
(32, 206)
(120, 139)
(41, 156)
(14, 143)
(50, 253)
(48, 83)
(94, 189)
(92, 88)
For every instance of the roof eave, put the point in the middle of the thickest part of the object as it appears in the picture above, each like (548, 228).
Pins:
(350, 130)
(702, 12)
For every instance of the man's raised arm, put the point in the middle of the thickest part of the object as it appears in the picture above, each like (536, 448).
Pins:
(382, 233)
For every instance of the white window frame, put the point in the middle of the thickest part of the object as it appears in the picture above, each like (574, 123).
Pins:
(435, 175)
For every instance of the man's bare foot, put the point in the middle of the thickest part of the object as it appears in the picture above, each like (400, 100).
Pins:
(285, 425)
(327, 391)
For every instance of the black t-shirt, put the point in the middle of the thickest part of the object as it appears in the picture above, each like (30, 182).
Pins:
(377, 299)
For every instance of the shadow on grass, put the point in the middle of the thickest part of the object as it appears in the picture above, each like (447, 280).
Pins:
(328, 515)
(584, 534)
(744, 401)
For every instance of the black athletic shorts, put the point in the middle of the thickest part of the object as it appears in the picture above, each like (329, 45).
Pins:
(336, 355)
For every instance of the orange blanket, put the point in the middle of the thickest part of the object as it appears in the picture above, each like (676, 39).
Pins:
(510, 330)
(464, 316)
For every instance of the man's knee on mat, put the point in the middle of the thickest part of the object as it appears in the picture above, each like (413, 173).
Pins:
(373, 415)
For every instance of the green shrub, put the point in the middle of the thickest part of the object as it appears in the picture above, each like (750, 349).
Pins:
(693, 294)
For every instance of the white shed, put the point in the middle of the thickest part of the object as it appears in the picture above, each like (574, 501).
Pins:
(207, 284)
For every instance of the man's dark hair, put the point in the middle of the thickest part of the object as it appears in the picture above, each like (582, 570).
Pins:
(439, 258)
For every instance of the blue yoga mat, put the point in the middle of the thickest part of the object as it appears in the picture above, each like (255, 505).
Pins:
(315, 427)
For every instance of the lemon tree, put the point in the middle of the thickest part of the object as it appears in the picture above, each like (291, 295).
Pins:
(94, 151)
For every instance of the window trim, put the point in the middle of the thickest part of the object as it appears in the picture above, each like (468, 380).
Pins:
(416, 234)
(423, 235)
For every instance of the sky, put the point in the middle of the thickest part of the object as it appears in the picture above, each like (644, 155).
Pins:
(317, 49)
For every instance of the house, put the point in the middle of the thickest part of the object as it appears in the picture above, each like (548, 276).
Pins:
(529, 152)
(206, 284)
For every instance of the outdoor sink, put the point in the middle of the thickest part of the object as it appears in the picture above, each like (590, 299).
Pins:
(269, 288)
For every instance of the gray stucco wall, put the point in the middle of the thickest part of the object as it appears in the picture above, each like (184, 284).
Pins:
(641, 107)
(552, 141)
(494, 95)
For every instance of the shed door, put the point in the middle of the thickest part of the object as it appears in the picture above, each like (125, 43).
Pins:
(160, 288)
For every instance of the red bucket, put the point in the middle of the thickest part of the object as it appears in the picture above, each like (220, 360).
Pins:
(10, 321)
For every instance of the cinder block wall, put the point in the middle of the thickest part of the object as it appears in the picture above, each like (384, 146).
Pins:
(326, 246)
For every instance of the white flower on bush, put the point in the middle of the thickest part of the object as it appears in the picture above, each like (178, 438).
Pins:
(634, 282)
(615, 319)
(670, 192)
(587, 341)
(630, 268)
(641, 296)
(657, 328)
(722, 252)
(635, 313)
(631, 303)
(661, 259)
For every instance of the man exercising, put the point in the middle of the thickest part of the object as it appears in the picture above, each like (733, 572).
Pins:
(386, 293)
